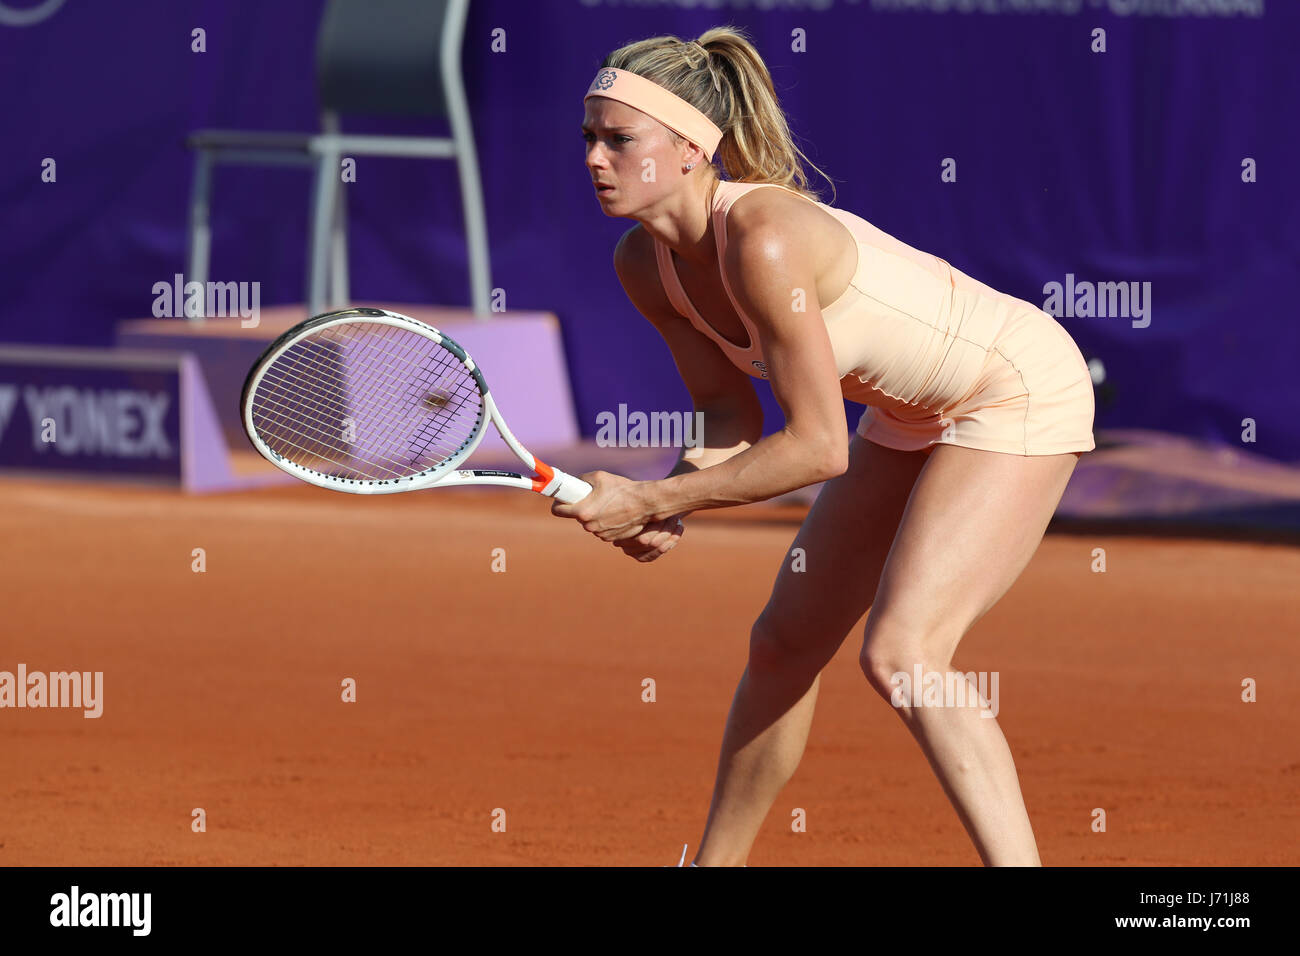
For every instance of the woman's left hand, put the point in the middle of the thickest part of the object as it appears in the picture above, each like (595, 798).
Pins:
(615, 509)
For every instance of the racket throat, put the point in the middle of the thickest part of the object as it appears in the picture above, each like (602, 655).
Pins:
(546, 482)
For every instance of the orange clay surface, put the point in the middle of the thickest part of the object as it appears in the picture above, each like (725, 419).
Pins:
(522, 691)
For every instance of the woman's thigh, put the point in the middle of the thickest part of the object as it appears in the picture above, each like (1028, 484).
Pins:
(828, 578)
(971, 526)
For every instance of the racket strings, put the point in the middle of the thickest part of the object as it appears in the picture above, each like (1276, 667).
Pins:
(282, 386)
(376, 387)
(366, 401)
(372, 396)
(438, 407)
(446, 408)
(406, 450)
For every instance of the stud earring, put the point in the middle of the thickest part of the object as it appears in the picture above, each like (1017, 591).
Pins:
(690, 166)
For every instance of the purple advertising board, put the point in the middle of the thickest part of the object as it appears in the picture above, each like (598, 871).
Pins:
(91, 412)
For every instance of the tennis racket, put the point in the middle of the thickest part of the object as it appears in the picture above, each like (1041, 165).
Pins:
(372, 402)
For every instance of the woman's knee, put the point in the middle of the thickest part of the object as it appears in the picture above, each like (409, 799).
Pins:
(894, 646)
(780, 643)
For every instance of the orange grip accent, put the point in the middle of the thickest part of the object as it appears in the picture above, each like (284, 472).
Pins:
(545, 471)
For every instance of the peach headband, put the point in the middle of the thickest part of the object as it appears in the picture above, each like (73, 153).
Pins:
(655, 101)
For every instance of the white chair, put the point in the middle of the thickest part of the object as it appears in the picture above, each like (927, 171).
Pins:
(377, 57)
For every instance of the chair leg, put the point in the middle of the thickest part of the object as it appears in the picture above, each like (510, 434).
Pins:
(200, 229)
(462, 134)
(323, 199)
(471, 194)
(339, 293)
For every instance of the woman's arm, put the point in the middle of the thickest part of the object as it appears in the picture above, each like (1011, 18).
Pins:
(720, 393)
(765, 268)
(726, 432)
(726, 435)
(768, 270)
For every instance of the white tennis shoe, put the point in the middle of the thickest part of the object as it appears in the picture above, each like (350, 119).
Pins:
(682, 861)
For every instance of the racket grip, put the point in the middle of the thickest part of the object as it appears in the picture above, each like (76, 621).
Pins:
(570, 489)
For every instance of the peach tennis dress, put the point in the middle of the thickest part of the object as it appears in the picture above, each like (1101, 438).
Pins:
(936, 356)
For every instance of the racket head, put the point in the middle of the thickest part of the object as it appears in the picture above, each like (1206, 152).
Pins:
(365, 401)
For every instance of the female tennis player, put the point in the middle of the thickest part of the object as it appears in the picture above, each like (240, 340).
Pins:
(978, 407)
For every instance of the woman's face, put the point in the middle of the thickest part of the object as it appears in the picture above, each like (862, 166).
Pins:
(629, 152)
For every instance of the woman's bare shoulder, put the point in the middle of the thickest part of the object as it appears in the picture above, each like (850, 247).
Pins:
(635, 248)
(638, 271)
(634, 257)
(778, 213)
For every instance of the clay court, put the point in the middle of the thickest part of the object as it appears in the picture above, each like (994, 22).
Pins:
(521, 690)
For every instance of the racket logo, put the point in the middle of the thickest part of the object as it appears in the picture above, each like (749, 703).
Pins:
(440, 395)
(762, 369)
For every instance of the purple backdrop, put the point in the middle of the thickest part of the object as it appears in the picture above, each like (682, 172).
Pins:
(1123, 166)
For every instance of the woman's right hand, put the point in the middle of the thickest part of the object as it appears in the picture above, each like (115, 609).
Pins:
(654, 541)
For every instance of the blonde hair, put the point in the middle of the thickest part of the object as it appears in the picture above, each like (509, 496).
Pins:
(723, 76)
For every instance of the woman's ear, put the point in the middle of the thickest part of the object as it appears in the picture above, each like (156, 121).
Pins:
(692, 156)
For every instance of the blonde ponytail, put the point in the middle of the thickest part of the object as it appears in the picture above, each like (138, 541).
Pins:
(723, 76)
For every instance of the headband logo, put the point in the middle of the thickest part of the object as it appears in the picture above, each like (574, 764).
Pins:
(604, 80)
